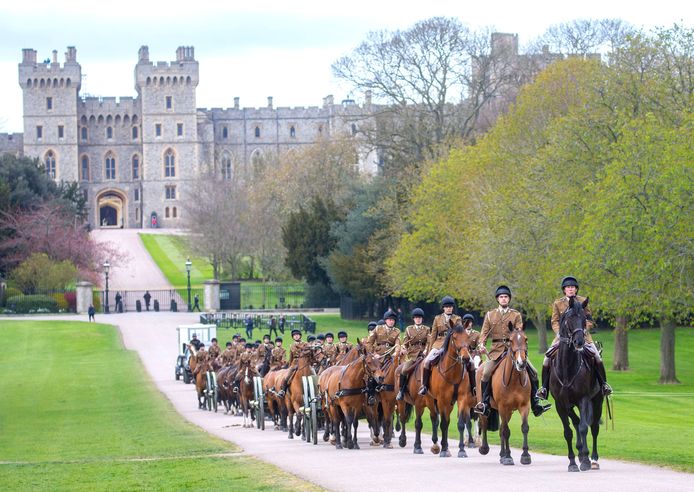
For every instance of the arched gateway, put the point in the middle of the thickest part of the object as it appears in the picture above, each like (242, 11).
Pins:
(111, 209)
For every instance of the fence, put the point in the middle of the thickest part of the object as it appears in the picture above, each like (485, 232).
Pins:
(272, 296)
(159, 300)
(237, 321)
(45, 301)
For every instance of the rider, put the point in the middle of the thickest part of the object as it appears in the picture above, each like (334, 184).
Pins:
(294, 351)
(343, 346)
(279, 353)
(569, 285)
(439, 330)
(228, 355)
(264, 347)
(201, 357)
(214, 349)
(329, 349)
(413, 347)
(320, 340)
(385, 338)
(473, 346)
(496, 324)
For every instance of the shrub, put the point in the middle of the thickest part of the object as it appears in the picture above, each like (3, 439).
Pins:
(96, 301)
(71, 299)
(26, 304)
(60, 301)
(10, 292)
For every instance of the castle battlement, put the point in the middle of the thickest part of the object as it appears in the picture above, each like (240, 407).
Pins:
(108, 104)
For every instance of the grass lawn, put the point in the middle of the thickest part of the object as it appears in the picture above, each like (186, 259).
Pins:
(79, 413)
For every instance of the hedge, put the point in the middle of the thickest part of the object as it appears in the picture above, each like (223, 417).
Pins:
(31, 303)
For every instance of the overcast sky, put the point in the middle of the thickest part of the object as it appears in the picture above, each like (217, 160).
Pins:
(255, 49)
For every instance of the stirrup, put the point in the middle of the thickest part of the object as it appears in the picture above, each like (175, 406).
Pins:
(400, 396)
(538, 408)
(280, 393)
(541, 393)
(423, 390)
(606, 389)
(481, 408)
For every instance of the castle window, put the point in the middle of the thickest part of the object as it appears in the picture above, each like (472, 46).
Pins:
(137, 194)
(166, 212)
(179, 129)
(225, 132)
(135, 132)
(292, 132)
(137, 214)
(169, 164)
(226, 167)
(109, 132)
(171, 192)
(39, 132)
(84, 168)
(136, 167)
(84, 133)
(49, 162)
(61, 131)
(168, 102)
(157, 130)
(257, 132)
(110, 166)
(173, 211)
(49, 103)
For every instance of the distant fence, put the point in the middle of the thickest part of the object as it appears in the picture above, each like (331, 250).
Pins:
(261, 322)
(282, 296)
(14, 301)
(159, 300)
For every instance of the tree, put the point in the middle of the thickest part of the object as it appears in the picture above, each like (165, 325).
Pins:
(585, 36)
(39, 273)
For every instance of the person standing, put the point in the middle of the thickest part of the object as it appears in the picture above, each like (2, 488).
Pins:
(196, 305)
(119, 303)
(272, 323)
(147, 297)
(91, 311)
(283, 320)
(249, 326)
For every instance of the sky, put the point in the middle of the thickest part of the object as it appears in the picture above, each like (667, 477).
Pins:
(256, 49)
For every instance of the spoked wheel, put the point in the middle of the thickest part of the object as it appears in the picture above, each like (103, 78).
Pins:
(306, 409)
(215, 391)
(313, 436)
(259, 410)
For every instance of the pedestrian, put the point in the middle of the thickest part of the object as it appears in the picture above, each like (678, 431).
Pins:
(249, 326)
(283, 320)
(91, 311)
(197, 303)
(147, 298)
(272, 323)
(119, 304)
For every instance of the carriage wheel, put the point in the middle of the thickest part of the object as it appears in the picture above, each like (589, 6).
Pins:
(305, 414)
(314, 414)
(186, 376)
(261, 411)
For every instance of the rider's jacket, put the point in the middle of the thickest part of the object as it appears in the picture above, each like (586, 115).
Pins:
(496, 325)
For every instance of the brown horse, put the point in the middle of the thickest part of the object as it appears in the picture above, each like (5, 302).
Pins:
(275, 404)
(294, 398)
(199, 369)
(450, 384)
(510, 392)
(329, 430)
(244, 380)
(344, 393)
(412, 399)
(381, 415)
(225, 380)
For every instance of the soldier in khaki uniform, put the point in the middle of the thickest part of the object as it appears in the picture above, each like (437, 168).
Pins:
(294, 352)
(569, 285)
(343, 346)
(201, 357)
(439, 330)
(228, 355)
(413, 348)
(279, 355)
(329, 349)
(496, 325)
(214, 350)
(473, 346)
(385, 338)
(264, 347)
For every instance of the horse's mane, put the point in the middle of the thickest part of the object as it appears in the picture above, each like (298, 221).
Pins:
(458, 328)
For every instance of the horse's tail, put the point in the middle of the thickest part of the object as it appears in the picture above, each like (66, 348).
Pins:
(408, 413)
(493, 420)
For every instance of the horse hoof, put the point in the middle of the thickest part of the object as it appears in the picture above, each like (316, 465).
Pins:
(471, 445)
(507, 461)
(374, 443)
(350, 445)
(326, 437)
(445, 454)
(484, 450)
(435, 449)
(402, 442)
(418, 451)
(338, 445)
(585, 465)
(525, 459)
(387, 445)
(291, 436)
(356, 445)
(595, 465)
(462, 454)
(573, 468)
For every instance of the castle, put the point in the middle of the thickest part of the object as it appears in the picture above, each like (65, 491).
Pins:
(135, 158)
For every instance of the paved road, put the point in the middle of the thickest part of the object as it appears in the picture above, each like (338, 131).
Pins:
(153, 336)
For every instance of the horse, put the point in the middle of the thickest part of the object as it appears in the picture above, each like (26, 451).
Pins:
(294, 397)
(343, 391)
(199, 369)
(381, 415)
(330, 430)
(225, 379)
(244, 382)
(412, 399)
(511, 391)
(573, 384)
(275, 404)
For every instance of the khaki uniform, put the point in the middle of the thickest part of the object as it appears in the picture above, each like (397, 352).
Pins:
(382, 339)
(246, 359)
(439, 330)
(415, 341)
(237, 350)
(278, 357)
(330, 352)
(474, 340)
(343, 347)
(295, 350)
(201, 357)
(558, 308)
(214, 351)
(496, 325)
(228, 356)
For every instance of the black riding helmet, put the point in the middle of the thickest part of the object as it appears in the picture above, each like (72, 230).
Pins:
(569, 281)
(296, 332)
(373, 324)
(229, 344)
(417, 312)
(320, 336)
(249, 345)
(311, 338)
(470, 317)
(329, 335)
(502, 289)
(278, 339)
(390, 314)
(447, 301)
(341, 334)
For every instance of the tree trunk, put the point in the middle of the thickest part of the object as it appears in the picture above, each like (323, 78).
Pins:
(541, 325)
(621, 345)
(667, 352)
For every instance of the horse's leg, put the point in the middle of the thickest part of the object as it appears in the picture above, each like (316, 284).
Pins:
(595, 430)
(505, 436)
(388, 409)
(290, 418)
(355, 424)
(336, 414)
(525, 457)
(419, 410)
(463, 420)
(434, 415)
(576, 421)
(349, 418)
(484, 447)
(586, 420)
(568, 436)
(445, 413)
(402, 414)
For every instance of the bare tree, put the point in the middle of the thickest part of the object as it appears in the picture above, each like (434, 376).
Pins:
(584, 37)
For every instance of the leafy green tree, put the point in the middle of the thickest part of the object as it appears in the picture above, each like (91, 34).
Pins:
(39, 273)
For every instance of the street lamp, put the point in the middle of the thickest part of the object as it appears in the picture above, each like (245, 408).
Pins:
(189, 264)
(107, 265)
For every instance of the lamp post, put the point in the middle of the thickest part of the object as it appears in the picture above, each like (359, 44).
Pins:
(189, 264)
(107, 265)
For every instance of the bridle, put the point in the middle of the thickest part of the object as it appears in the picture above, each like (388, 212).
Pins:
(564, 326)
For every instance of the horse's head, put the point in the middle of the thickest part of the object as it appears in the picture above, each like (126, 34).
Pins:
(518, 345)
(373, 367)
(458, 340)
(572, 324)
(317, 355)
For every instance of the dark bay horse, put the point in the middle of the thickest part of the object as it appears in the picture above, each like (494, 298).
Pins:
(573, 385)
(511, 391)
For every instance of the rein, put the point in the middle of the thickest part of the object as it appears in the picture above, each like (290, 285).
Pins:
(350, 391)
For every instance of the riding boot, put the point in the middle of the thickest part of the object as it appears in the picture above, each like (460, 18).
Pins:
(543, 392)
(602, 378)
(471, 374)
(403, 386)
(484, 407)
(426, 374)
(537, 408)
(285, 385)
(371, 391)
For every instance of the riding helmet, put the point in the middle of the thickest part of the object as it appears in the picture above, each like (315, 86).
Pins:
(229, 344)
(296, 332)
(329, 335)
(278, 339)
(470, 317)
(569, 281)
(373, 324)
(213, 340)
(236, 336)
(390, 314)
(380, 322)
(249, 345)
(417, 312)
(341, 334)
(502, 289)
(311, 338)
(320, 336)
(447, 301)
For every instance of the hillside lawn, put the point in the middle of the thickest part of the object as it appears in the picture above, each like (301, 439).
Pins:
(652, 421)
(79, 412)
